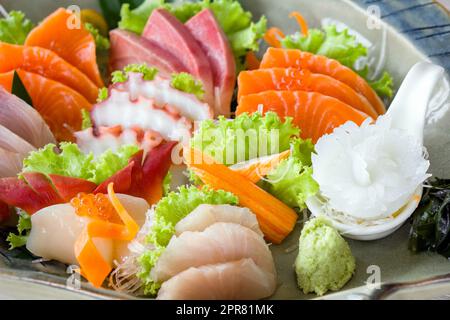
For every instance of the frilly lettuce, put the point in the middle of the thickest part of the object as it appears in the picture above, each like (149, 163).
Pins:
(341, 46)
(148, 73)
(101, 42)
(187, 83)
(23, 228)
(228, 141)
(291, 181)
(234, 20)
(15, 28)
(72, 162)
(169, 210)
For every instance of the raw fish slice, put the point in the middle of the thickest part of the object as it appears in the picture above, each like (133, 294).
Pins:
(120, 110)
(237, 280)
(213, 41)
(162, 93)
(6, 80)
(314, 113)
(23, 120)
(166, 31)
(56, 228)
(11, 142)
(128, 48)
(206, 215)
(10, 163)
(75, 45)
(220, 242)
(292, 58)
(59, 105)
(114, 137)
(260, 80)
(47, 64)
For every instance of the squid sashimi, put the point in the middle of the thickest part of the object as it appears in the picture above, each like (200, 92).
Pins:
(237, 280)
(129, 48)
(121, 110)
(220, 242)
(314, 113)
(74, 44)
(112, 138)
(163, 94)
(206, 215)
(55, 230)
(292, 58)
(170, 34)
(213, 41)
(47, 64)
(17, 116)
(59, 105)
(260, 80)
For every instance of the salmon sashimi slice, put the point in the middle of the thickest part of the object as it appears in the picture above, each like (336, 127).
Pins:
(314, 113)
(47, 64)
(6, 80)
(72, 43)
(59, 105)
(293, 58)
(260, 80)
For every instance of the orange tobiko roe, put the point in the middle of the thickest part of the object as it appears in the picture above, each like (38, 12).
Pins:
(96, 206)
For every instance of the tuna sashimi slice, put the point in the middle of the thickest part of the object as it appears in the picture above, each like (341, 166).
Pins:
(128, 48)
(219, 243)
(213, 41)
(237, 280)
(120, 110)
(162, 93)
(170, 34)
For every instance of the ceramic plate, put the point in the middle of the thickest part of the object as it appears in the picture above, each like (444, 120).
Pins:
(411, 31)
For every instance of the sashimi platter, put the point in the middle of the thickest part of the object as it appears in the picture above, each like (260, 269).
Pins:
(219, 149)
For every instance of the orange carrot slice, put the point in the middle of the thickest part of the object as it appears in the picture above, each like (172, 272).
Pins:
(275, 218)
(301, 22)
(60, 33)
(273, 36)
(256, 169)
(93, 266)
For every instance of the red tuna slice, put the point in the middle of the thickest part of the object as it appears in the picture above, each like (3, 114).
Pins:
(43, 187)
(169, 33)
(163, 94)
(128, 48)
(5, 212)
(121, 110)
(68, 187)
(17, 193)
(213, 41)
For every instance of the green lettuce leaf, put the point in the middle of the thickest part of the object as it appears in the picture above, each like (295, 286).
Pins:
(86, 119)
(101, 42)
(245, 137)
(15, 28)
(341, 46)
(102, 94)
(187, 83)
(291, 181)
(169, 210)
(135, 19)
(148, 73)
(72, 162)
(23, 228)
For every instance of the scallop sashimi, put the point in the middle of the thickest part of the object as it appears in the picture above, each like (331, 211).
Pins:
(220, 242)
(236, 280)
(314, 113)
(293, 58)
(47, 64)
(206, 215)
(75, 45)
(260, 80)
(55, 230)
(120, 110)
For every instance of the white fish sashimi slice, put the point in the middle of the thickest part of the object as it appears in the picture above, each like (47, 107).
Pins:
(161, 91)
(17, 116)
(120, 110)
(13, 143)
(206, 214)
(219, 243)
(236, 280)
(10, 163)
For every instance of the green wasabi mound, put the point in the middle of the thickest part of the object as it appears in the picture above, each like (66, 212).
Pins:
(325, 261)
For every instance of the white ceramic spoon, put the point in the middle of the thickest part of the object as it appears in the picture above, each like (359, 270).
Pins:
(407, 111)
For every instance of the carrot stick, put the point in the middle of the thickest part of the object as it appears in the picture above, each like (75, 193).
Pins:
(256, 169)
(275, 218)
(301, 22)
(273, 36)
